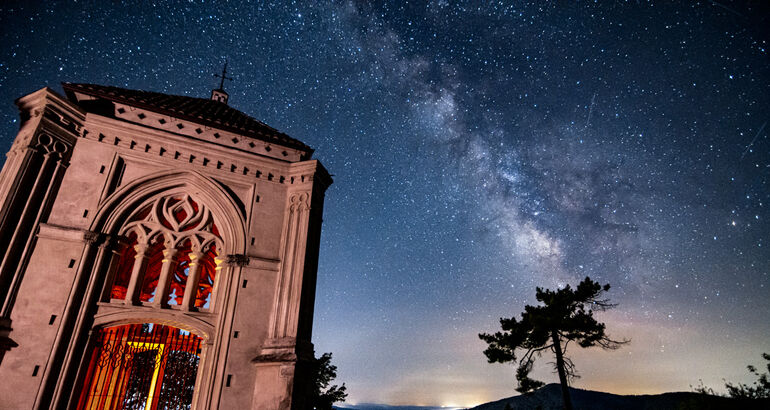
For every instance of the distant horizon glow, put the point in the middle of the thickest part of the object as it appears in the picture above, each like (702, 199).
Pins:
(480, 151)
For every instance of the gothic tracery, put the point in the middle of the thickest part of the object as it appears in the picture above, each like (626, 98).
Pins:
(172, 254)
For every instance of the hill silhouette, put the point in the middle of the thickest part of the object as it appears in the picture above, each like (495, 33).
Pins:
(370, 406)
(549, 398)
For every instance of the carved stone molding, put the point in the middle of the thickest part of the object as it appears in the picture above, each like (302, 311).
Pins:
(277, 350)
(283, 350)
(91, 237)
(177, 218)
(275, 355)
(191, 156)
(51, 145)
(237, 260)
(299, 201)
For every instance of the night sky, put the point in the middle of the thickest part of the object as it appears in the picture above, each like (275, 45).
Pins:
(479, 152)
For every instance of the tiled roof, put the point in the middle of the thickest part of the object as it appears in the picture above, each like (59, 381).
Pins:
(203, 111)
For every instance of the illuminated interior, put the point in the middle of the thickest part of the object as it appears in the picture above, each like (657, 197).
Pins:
(141, 366)
(178, 224)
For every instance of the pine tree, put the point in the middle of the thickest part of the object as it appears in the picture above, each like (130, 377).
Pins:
(565, 316)
(324, 396)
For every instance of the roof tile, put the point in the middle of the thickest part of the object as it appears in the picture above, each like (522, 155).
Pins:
(204, 111)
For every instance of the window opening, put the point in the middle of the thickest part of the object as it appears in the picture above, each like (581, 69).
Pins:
(208, 274)
(180, 274)
(154, 257)
(184, 251)
(125, 267)
(141, 366)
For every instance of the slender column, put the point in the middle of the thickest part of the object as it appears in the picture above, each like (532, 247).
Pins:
(8, 265)
(28, 246)
(289, 290)
(137, 275)
(27, 208)
(116, 254)
(18, 161)
(228, 276)
(193, 276)
(219, 265)
(203, 378)
(73, 392)
(164, 281)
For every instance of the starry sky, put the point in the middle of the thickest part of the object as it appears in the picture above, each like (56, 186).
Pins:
(479, 150)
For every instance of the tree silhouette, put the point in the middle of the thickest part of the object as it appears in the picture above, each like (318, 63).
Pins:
(324, 396)
(760, 389)
(565, 316)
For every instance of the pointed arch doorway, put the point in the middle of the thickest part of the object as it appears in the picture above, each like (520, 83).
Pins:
(144, 366)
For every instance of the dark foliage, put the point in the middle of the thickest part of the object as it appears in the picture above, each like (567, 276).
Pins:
(324, 395)
(760, 389)
(565, 316)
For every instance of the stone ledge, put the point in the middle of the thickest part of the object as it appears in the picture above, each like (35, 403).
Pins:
(283, 350)
(66, 233)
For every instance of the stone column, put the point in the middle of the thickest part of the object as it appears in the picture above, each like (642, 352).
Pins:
(20, 228)
(16, 171)
(120, 244)
(288, 292)
(164, 280)
(193, 277)
(40, 213)
(137, 275)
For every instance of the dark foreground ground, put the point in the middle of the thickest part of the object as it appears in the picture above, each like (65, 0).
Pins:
(549, 398)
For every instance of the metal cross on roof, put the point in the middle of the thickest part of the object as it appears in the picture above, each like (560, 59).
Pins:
(223, 77)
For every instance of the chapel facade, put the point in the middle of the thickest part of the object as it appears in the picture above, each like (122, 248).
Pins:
(158, 252)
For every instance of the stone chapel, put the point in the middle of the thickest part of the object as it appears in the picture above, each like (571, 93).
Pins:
(158, 252)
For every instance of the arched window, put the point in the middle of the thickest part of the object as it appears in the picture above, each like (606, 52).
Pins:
(171, 255)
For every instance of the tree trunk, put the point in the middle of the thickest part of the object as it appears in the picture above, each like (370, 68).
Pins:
(562, 372)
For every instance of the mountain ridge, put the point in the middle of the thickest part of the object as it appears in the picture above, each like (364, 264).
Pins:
(549, 398)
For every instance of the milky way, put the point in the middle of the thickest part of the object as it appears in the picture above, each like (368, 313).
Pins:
(479, 152)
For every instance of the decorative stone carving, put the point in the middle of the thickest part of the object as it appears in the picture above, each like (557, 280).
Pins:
(238, 260)
(91, 237)
(299, 201)
(50, 145)
(177, 219)
(276, 355)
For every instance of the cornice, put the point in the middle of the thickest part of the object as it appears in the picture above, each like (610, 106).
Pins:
(133, 140)
(45, 97)
(171, 138)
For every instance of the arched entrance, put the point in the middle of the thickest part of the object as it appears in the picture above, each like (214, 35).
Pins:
(141, 366)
